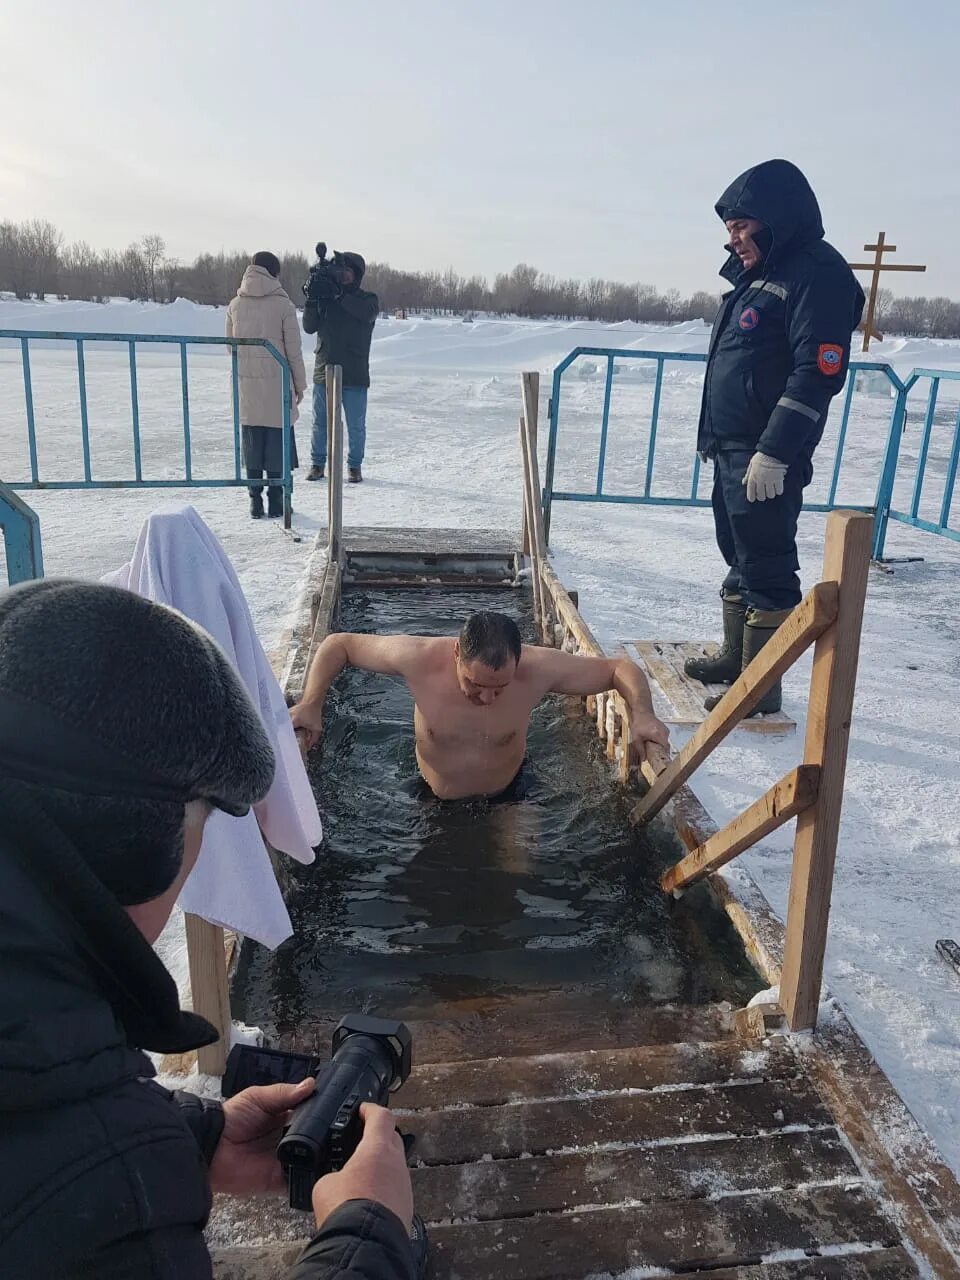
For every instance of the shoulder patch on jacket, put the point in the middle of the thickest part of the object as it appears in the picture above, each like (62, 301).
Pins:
(829, 358)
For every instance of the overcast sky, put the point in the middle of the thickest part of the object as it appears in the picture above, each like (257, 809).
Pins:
(585, 138)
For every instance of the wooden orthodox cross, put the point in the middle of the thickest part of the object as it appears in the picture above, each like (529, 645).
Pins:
(876, 266)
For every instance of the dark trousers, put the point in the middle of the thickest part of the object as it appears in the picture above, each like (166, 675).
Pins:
(262, 449)
(758, 540)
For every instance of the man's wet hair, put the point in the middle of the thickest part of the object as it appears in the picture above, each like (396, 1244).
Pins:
(490, 638)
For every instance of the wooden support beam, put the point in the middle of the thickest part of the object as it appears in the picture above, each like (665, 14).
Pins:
(809, 620)
(526, 546)
(785, 799)
(335, 464)
(207, 961)
(846, 562)
(569, 613)
(530, 385)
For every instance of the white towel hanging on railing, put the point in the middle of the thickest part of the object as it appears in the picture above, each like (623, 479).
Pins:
(177, 561)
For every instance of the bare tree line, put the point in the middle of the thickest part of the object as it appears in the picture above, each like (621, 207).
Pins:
(35, 260)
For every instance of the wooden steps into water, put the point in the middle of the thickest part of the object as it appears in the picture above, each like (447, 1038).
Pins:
(592, 1143)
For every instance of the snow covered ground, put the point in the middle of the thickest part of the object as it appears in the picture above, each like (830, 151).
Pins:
(442, 450)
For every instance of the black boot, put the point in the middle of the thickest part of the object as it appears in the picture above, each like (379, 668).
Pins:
(726, 664)
(354, 475)
(274, 501)
(256, 494)
(760, 626)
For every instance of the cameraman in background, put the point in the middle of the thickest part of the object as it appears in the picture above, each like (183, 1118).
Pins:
(342, 315)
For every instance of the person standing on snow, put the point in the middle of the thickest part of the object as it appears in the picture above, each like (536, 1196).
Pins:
(262, 309)
(778, 354)
(342, 317)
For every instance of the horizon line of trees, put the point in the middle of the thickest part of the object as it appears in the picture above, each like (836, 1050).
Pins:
(36, 260)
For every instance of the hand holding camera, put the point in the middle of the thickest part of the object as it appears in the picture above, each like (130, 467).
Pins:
(245, 1161)
(325, 289)
(376, 1171)
(326, 279)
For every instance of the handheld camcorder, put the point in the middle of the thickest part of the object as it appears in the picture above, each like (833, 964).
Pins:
(370, 1058)
(325, 280)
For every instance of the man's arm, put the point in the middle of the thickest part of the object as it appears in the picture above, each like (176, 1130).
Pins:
(388, 655)
(821, 315)
(311, 317)
(574, 674)
(362, 305)
(364, 1213)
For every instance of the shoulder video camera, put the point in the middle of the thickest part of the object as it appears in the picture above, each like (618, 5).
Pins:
(370, 1058)
(325, 280)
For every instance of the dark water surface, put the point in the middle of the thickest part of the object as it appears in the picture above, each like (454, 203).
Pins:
(416, 907)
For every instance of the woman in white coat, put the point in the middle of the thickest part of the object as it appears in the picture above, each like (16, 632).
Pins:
(262, 309)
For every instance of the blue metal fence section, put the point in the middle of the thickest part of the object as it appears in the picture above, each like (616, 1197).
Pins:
(130, 340)
(912, 517)
(21, 538)
(882, 506)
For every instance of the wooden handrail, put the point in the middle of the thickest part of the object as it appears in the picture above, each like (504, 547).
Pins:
(809, 620)
(790, 796)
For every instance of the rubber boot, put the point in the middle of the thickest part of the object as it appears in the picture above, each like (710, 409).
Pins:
(274, 501)
(760, 626)
(725, 665)
(256, 495)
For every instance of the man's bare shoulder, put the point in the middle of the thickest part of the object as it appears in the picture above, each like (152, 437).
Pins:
(561, 672)
(420, 653)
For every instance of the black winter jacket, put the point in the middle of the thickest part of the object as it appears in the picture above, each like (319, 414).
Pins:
(781, 341)
(102, 1172)
(344, 330)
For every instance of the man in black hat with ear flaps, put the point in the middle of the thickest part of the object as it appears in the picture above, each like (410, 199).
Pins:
(121, 726)
(778, 354)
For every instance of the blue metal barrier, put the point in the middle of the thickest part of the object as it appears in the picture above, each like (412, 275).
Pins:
(21, 538)
(885, 511)
(882, 506)
(130, 341)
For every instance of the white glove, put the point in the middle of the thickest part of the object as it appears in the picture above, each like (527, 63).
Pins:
(764, 478)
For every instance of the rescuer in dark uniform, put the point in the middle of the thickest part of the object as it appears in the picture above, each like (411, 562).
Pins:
(778, 354)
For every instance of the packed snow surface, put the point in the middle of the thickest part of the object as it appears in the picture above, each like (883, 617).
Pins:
(443, 451)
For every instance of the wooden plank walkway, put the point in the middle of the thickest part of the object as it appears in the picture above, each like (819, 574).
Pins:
(419, 542)
(586, 1144)
(677, 699)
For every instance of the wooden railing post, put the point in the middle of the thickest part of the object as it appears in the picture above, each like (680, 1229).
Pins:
(530, 383)
(207, 961)
(334, 463)
(846, 561)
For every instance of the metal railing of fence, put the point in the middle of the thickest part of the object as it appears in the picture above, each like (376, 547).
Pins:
(131, 340)
(882, 507)
(886, 511)
(21, 538)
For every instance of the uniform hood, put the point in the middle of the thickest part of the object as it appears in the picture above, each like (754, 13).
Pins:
(257, 282)
(779, 195)
(357, 265)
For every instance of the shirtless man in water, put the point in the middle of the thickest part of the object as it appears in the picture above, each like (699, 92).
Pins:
(473, 696)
